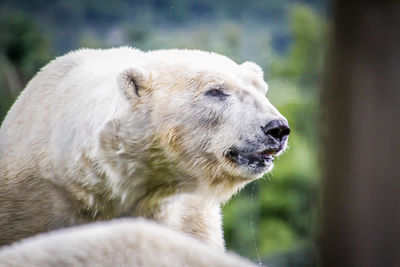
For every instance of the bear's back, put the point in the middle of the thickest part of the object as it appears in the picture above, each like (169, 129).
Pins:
(60, 109)
(73, 91)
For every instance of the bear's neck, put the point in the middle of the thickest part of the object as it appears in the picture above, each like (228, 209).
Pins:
(134, 185)
(136, 178)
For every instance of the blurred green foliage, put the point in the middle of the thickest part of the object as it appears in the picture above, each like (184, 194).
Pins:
(23, 50)
(282, 207)
(272, 216)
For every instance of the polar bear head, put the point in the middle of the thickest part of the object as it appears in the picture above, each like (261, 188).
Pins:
(207, 115)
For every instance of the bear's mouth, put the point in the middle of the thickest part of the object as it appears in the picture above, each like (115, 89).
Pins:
(254, 160)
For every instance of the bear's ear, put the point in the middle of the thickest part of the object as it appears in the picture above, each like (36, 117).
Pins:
(132, 81)
(253, 67)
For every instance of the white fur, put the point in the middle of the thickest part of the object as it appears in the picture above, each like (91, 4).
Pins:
(116, 243)
(121, 132)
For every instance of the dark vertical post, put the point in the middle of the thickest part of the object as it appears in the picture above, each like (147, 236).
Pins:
(361, 156)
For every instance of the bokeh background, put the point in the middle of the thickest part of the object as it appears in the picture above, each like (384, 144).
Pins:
(274, 219)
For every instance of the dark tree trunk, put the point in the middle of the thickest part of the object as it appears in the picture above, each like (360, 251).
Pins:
(361, 196)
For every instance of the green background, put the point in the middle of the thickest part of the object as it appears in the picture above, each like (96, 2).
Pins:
(273, 219)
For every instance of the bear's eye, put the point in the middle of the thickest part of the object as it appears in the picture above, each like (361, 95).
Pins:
(216, 93)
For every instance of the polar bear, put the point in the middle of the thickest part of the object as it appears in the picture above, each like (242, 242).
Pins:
(168, 135)
(122, 242)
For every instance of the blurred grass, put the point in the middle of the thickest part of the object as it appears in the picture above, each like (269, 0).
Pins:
(271, 216)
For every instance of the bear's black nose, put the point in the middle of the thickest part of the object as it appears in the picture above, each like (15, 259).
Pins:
(277, 129)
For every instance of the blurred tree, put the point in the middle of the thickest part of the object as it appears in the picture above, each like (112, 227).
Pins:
(306, 55)
(23, 45)
(285, 39)
(283, 209)
(23, 50)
